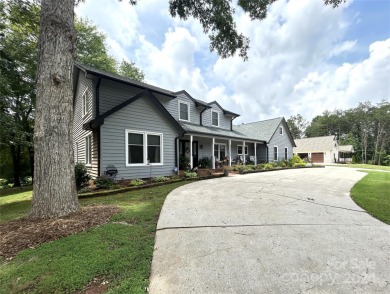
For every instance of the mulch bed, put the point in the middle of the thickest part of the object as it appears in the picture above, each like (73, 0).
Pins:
(25, 233)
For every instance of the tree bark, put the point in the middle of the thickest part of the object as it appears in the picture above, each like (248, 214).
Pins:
(54, 191)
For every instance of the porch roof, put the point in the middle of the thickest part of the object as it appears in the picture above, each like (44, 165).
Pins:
(215, 131)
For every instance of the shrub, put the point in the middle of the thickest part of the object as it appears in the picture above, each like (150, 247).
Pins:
(104, 183)
(354, 159)
(295, 159)
(386, 160)
(136, 182)
(85, 190)
(190, 174)
(250, 167)
(183, 162)
(299, 164)
(81, 174)
(204, 162)
(159, 179)
(268, 166)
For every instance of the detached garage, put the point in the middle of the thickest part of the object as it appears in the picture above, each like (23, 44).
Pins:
(317, 149)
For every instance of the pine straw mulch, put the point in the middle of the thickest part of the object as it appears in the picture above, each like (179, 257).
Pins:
(26, 233)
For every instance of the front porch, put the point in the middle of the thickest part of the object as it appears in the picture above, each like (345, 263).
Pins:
(213, 152)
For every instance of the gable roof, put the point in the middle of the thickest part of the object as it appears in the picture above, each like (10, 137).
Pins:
(98, 121)
(196, 101)
(89, 69)
(315, 144)
(224, 110)
(263, 130)
(215, 131)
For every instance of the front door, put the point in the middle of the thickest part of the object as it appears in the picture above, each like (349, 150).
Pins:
(184, 150)
(195, 153)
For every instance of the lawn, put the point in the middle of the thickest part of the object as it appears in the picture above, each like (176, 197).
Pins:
(120, 251)
(367, 166)
(372, 193)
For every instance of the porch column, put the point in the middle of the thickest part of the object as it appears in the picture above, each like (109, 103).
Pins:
(212, 154)
(243, 153)
(191, 157)
(255, 154)
(230, 152)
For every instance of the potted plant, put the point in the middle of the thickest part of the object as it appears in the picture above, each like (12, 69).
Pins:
(226, 171)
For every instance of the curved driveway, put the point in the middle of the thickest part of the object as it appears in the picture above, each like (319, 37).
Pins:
(292, 231)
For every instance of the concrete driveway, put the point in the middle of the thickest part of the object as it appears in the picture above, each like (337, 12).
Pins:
(294, 231)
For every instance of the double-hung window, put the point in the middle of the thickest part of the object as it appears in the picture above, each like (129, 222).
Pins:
(285, 153)
(275, 153)
(184, 111)
(143, 148)
(239, 150)
(214, 118)
(88, 150)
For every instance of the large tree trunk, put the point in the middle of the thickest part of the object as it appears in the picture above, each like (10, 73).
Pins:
(54, 182)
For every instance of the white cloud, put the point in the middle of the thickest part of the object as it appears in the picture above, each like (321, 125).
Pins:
(290, 68)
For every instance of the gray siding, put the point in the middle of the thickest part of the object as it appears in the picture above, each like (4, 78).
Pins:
(172, 105)
(224, 121)
(79, 134)
(141, 115)
(281, 141)
(113, 93)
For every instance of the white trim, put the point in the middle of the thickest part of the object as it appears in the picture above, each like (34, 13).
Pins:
(145, 146)
(77, 152)
(88, 151)
(223, 138)
(247, 149)
(84, 102)
(281, 128)
(217, 112)
(277, 152)
(188, 104)
(285, 153)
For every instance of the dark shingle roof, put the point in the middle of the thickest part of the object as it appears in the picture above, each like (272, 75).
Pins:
(214, 131)
(261, 130)
(90, 69)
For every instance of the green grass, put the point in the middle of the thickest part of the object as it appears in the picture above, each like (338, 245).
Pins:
(372, 193)
(120, 253)
(11, 191)
(367, 166)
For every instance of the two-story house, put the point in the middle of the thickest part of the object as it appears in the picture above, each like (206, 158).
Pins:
(143, 130)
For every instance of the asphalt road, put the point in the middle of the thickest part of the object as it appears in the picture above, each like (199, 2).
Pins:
(293, 231)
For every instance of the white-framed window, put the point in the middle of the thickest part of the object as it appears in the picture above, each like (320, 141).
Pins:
(285, 153)
(220, 151)
(239, 150)
(280, 130)
(88, 150)
(275, 153)
(214, 118)
(85, 102)
(184, 111)
(143, 148)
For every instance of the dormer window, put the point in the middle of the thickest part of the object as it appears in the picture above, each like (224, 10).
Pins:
(85, 102)
(214, 118)
(184, 111)
(280, 130)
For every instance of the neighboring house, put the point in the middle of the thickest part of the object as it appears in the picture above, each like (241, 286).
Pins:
(275, 132)
(143, 130)
(317, 149)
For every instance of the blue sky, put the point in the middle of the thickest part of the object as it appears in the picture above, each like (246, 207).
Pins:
(304, 58)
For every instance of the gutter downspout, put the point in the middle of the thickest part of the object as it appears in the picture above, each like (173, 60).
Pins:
(200, 116)
(97, 90)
